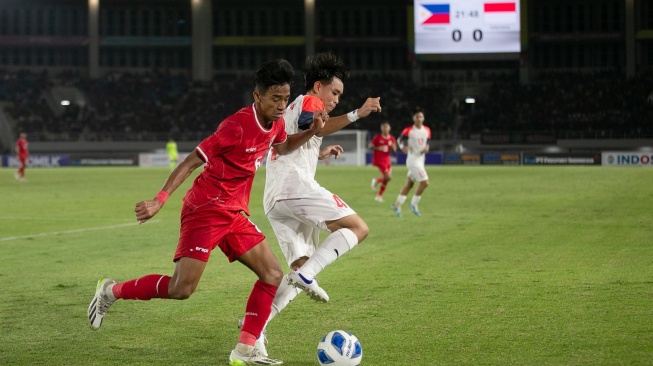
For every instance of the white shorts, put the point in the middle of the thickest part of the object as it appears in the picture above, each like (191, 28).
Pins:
(417, 174)
(297, 222)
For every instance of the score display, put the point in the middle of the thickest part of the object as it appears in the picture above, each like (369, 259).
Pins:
(466, 26)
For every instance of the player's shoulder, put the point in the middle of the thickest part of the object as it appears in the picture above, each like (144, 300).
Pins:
(312, 103)
(406, 130)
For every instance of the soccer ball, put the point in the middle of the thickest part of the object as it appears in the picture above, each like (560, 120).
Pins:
(339, 348)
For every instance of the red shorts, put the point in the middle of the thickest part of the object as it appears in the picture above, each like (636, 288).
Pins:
(385, 168)
(206, 227)
(22, 159)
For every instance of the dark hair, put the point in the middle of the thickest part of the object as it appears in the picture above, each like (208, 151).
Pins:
(324, 67)
(271, 73)
(417, 110)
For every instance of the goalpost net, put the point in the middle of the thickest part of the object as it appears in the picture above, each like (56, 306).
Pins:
(354, 144)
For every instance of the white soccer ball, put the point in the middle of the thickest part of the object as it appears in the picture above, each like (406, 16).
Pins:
(339, 348)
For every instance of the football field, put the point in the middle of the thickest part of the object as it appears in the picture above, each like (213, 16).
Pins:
(506, 266)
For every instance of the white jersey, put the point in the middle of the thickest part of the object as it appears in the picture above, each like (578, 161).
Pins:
(293, 175)
(417, 140)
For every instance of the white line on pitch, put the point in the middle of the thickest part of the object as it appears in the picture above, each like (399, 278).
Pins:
(70, 231)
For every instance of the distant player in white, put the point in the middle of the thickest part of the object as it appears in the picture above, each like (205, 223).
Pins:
(296, 205)
(414, 141)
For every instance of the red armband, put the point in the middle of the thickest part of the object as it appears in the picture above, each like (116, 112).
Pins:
(162, 196)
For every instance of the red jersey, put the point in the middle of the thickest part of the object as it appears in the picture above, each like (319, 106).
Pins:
(21, 147)
(233, 154)
(382, 156)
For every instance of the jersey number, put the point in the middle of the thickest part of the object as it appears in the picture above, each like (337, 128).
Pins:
(340, 203)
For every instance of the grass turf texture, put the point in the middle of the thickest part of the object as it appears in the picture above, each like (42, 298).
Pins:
(507, 266)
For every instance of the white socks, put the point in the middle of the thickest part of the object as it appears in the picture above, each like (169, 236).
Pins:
(415, 200)
(285, 294)
(400, 200)
(335, 245)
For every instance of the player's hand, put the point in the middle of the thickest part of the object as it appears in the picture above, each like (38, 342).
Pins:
(319, 121)
(333, 150)
(145, 210)
(370, 105)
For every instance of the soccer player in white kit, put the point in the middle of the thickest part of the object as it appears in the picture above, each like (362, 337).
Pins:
(414, 141)
(296, 205)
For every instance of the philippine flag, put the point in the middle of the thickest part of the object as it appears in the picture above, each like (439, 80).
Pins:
(434, 14)
(500, 13)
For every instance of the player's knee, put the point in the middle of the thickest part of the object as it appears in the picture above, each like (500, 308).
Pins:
(361, 230)
(182, 292)
(272, 276)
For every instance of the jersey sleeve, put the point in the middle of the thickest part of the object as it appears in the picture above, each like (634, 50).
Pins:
(428, 131)
(280, 132)
(309, 106)
(375, 140)
(228, 134)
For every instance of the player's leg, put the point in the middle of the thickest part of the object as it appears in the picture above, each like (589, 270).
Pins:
(387, 176)
(200, 228)
(180, 286)
(378, 180)
(262, 261)
(423, 180)
(21, 169)
(297, 241)
(330, 213)
(403, 193)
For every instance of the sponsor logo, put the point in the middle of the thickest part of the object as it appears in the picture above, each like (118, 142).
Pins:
(628, 159)
(203, 250)
(250, 150)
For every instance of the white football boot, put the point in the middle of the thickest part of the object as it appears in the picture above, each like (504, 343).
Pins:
(101, 302)
(312, 289)
(254, 357)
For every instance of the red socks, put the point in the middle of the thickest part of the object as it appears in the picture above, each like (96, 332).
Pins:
(144, 288)
(382, 189)
(257, 312)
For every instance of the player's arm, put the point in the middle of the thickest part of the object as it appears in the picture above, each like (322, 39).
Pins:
(340, 122)
(427, 147)
(145, 210)
(393, 145)
(331, 150)
(372, 145)
(294, 141)
(401, 141)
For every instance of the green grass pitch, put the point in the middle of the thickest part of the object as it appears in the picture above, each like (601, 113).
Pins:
(507, 266)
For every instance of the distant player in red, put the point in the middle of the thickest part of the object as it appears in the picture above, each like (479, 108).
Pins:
(382, 143)
(23, 153)
(212, 214)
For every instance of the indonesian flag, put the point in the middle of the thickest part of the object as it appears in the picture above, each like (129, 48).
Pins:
(434, 14)
(500, 13)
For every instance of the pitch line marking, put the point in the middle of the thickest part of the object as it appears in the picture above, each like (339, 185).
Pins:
(73, 231)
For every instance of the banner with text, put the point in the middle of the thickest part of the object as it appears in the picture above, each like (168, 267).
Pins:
(37, 161)
(561, 159)
(627, 158)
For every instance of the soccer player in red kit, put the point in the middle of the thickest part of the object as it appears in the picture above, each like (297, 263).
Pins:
(23, 152)
(212, 212)
(382, 143)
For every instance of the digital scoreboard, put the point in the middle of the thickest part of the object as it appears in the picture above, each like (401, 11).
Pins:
(466, 26)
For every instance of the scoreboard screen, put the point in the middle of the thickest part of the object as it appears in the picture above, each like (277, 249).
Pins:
(466, 26)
